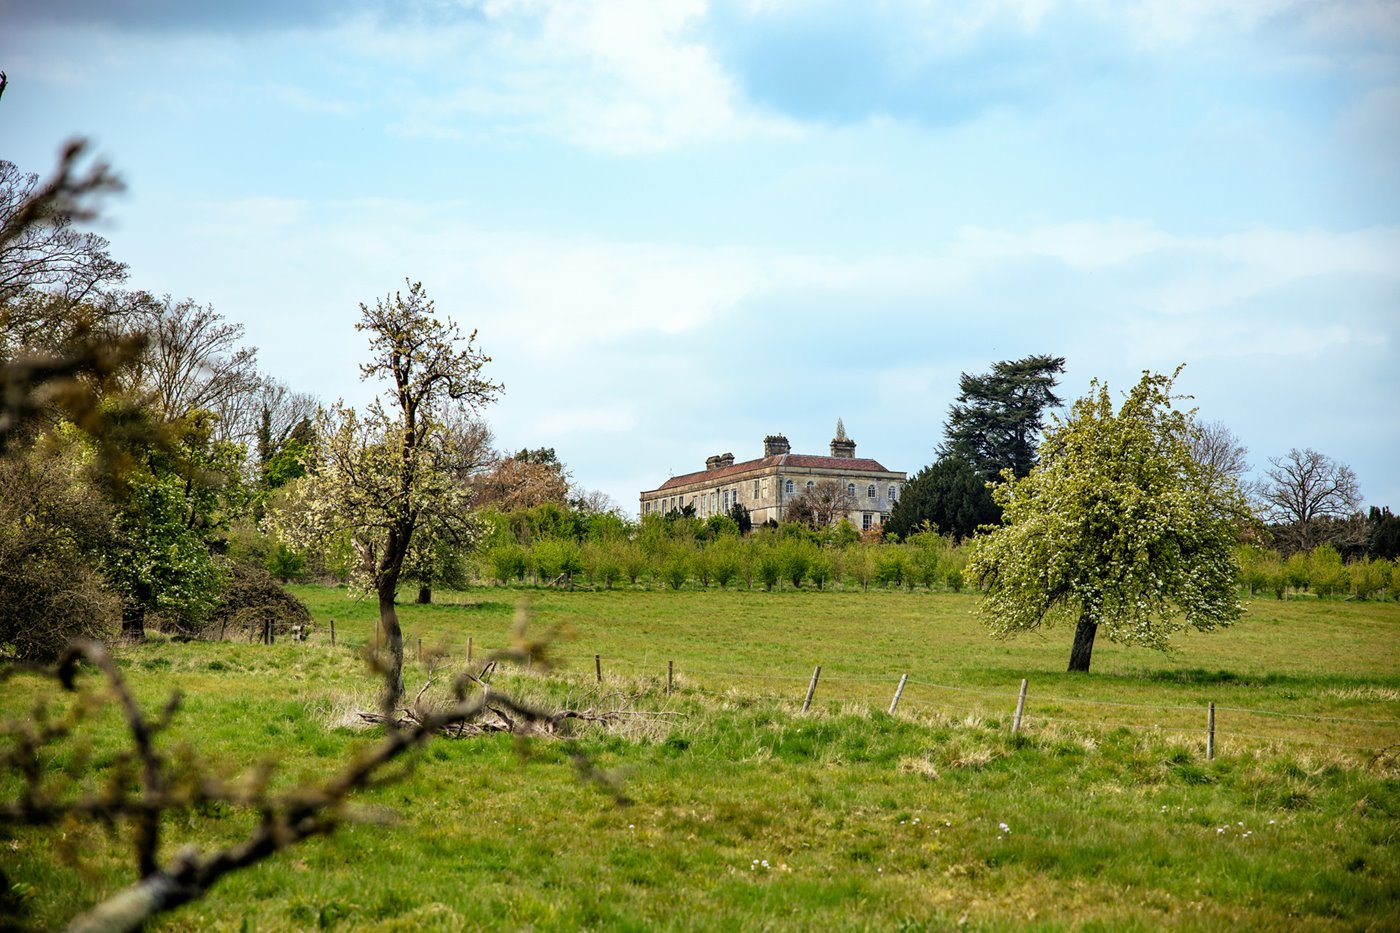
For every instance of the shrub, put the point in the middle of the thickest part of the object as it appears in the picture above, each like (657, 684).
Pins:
(507, 562)
(795, 558)
(891, 566)
(724, 557)
(769, 565)
(675, 569)
(252, 599)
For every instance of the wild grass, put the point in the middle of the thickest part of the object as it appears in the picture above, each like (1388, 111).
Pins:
(1103, 813)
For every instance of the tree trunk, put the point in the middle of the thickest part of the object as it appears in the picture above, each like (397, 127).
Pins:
(1083, 644)
(393, 639)
(133, 620)
(425, 595)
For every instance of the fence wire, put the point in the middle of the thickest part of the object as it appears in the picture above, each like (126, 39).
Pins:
(699, 681)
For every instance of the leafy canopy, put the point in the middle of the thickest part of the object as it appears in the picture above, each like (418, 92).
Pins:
(998, 416)
(1118, 526)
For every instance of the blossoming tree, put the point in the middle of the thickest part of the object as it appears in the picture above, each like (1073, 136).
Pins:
(389, 476)
(1117, 527)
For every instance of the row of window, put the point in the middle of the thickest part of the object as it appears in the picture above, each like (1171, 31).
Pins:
(871, 491)
(721, 502)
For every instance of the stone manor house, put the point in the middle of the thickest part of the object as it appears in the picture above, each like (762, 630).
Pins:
(766, 484)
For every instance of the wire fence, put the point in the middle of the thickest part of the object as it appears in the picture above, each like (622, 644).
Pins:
(907, 691)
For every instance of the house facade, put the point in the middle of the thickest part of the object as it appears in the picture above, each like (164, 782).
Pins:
(768, 484)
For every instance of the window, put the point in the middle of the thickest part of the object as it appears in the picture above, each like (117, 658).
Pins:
(765, 488)
(870, 491)
(811, 485)
(865, 520)
(850, 489)
(788, 488)
(646, 508)
(755, 490)
(894, 492)
(726, 500)
(714, 501)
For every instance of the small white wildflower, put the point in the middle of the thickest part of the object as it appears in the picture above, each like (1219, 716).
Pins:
(1004, 827)
(764, 863)
(1220, 830)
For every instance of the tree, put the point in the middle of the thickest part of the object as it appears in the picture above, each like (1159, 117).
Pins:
(1219, 452)
(46, 253)
(193, 361)
(1382, 534)
(950, 495)
(824, 503)
(384, 477)
(527, 479)
(997, 419)
(1303, 489)
(1118, 527)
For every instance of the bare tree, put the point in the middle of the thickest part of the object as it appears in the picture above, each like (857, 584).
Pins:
(1305, 487)
(41, 248)
(193, 359)
(825, 503)
(1219, 452)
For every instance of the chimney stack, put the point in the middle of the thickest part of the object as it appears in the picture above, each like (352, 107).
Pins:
(775, 445)
(841, 445)
(726, 460)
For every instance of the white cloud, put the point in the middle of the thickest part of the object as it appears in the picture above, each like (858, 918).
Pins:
(619, 76)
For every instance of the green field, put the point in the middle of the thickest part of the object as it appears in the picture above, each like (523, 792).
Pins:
(746, 813)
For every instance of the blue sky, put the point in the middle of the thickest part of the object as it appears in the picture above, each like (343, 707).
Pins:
(680, 226)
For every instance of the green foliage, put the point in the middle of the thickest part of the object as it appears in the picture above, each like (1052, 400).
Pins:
(602, 561)
(675, 568)
(719, 525)
(742, 520)
(507, 562)
(156, 559)
(795, 559)
(998, 416)
(725, 559)
(1117, 527)
(284, 563)
(768, 564)
(891, 566)
(1325, 571)
(950, 495)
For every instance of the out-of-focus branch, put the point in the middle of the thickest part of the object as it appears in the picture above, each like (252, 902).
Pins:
(168, 785)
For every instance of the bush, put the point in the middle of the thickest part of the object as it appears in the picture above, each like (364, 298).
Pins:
(1326, 572)
(284, 563)
(48, 595)
(725, 561)
(252, 599)
(769, 565)
(891, 566)
(675, 569)
(795, 556)
(507, 562)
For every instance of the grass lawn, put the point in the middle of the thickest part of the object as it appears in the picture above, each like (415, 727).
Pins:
(746, 813)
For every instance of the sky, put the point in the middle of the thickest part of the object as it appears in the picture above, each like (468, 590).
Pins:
(678, 226)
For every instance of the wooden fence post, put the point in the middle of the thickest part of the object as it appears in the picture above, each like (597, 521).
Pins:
(897, 691)
(598, 667)
(1020, 708)
(469, 649)
(811, 688)
(332, 633)
(420, 649)
(670, 675)
(1210, 731)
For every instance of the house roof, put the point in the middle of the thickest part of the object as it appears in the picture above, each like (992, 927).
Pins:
(800, 461)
